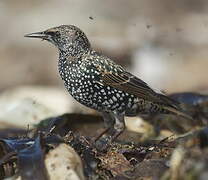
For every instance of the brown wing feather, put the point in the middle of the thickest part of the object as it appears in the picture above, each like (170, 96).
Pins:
(131, 84)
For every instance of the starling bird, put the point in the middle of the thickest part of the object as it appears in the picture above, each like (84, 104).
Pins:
(97, 82)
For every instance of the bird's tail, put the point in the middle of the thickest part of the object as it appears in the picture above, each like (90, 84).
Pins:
(167, 106)
(172, 106)
(177, 112)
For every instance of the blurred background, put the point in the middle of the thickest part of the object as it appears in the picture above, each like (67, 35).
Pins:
(163, 42)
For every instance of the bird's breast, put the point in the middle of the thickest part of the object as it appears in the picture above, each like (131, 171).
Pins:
(85, 85)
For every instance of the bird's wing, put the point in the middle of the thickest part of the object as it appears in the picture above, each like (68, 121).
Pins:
(129, 83)
(115, 76)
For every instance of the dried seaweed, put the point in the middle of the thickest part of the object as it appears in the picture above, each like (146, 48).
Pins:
(180, 156)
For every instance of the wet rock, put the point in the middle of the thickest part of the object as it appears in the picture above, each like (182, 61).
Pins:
(189, 98)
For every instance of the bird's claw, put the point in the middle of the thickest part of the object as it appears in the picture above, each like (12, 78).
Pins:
(103, 144)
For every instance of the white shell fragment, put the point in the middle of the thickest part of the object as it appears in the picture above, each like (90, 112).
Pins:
(63, 163)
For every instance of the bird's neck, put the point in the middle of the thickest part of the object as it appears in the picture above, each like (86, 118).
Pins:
(73, 51)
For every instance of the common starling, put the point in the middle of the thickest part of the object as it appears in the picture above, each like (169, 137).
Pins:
(96, 81)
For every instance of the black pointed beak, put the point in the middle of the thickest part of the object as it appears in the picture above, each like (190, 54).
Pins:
(40, 35)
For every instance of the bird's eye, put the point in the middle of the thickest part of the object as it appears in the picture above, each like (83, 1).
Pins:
(53, 33)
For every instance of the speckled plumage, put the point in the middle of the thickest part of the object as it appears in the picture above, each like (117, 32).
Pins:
(83, 79)
(97, 82)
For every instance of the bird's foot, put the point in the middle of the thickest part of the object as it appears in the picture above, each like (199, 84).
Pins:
(103, 143)
(97, 137)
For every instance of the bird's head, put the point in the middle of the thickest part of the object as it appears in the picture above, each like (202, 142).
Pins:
(68, 39)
